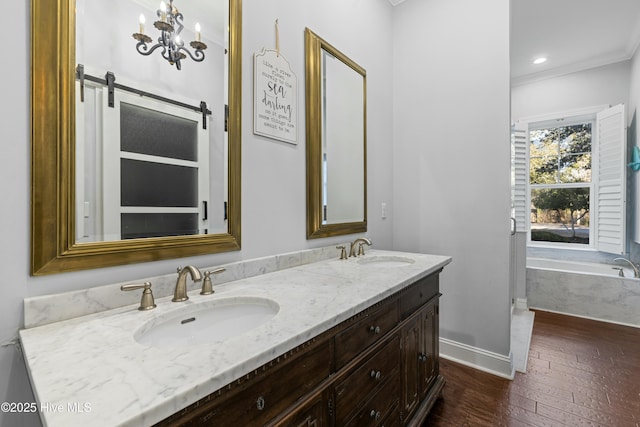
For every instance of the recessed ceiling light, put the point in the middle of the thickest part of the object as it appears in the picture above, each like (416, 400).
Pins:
(539, 60)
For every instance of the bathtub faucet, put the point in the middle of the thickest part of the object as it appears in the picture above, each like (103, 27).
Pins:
(636, 272)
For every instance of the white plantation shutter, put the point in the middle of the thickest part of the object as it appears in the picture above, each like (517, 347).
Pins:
(611, 181)
(520, 177)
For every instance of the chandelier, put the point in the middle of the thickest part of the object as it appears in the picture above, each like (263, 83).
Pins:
(169, 24)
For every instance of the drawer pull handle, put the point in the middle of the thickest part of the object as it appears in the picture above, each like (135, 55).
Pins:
(260, 403)
(375, 414)
(376, 375)
(374, 329)
(423, 357)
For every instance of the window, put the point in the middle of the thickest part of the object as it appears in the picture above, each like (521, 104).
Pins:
(569, 179)
(560, 183)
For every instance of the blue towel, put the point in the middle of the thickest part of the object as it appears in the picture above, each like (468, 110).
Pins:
(635, 159)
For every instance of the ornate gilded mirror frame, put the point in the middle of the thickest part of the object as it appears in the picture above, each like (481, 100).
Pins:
(316, 228)
(53, 245)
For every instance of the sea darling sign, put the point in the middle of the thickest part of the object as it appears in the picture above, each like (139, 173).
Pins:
(275, 93)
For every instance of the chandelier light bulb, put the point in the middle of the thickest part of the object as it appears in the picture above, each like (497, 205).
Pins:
(163, 11)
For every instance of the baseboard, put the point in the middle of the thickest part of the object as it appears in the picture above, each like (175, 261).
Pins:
(598, 319)
(477, 358)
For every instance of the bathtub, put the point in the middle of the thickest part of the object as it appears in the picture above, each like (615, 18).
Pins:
(578, 267)
(583, 289)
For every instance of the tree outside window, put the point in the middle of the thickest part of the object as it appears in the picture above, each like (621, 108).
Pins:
(560, 183)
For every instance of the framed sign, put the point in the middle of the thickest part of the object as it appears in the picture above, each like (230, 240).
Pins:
(275, 93)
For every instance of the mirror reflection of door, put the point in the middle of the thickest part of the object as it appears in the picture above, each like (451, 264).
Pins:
(162, 188)
(145, 165)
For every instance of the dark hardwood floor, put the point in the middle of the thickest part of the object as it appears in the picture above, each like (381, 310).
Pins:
(580, 373)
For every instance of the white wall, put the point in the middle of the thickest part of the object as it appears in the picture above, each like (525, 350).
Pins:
(273, 174)
(452, 157)
(608, 84)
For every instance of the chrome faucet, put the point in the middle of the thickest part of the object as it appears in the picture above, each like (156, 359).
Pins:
(361, 241)
(636, 272)
(180, 293)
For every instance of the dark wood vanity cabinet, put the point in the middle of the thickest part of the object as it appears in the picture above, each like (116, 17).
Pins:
(420, 360)
(379, 368)
(314, 411)
(370, 390)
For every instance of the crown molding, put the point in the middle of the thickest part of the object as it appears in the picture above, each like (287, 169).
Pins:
(571, 68)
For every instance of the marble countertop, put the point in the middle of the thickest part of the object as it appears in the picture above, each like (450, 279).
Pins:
(91, 371)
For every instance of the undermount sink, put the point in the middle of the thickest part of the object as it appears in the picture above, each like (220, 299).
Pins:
(386, 261)
(207, 323)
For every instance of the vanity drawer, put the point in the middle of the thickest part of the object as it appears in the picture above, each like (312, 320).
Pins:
(381, 409)
(419, 293)
(393, 418)
(263, 398)
(366, 331)
(368, 378)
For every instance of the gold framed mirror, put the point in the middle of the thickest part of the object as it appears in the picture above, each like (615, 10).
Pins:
(56, 244)
(336, 119)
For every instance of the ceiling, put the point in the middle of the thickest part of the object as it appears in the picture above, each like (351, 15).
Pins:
(573, 34)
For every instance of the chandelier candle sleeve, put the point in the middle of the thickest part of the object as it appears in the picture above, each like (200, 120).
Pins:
(142, 21)
(163, 11)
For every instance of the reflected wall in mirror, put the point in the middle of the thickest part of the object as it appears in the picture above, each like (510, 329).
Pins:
(336, 141)
(133, 158)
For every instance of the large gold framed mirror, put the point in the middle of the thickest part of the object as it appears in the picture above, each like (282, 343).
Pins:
(105, 188)
(336, 118)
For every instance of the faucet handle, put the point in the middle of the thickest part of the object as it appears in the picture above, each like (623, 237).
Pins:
(361, 249)
(343, 251)
(146, 302)
(207, 286)
(620, 271)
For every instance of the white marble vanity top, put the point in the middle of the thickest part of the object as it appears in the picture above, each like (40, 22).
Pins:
(90, 371)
